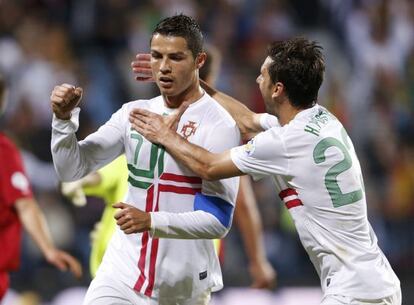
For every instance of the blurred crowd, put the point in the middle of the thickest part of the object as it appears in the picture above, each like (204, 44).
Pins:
(369, 85)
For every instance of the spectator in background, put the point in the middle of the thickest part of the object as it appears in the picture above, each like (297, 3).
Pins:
(20, 208)
(379, 35)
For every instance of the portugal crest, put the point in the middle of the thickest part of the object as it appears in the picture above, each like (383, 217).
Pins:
(188, 129)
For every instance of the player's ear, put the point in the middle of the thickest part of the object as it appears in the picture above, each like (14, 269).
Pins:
(277, 89)
(200, 59)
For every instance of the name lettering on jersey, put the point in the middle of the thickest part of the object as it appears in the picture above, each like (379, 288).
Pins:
(189, 129)
(318, 121)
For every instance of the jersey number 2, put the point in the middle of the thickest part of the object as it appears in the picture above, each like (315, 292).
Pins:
(338, 198)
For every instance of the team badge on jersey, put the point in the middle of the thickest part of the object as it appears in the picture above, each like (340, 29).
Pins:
(189, 129)
(249, 147)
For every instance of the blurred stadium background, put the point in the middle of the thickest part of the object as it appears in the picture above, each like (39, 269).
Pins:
(369, 85)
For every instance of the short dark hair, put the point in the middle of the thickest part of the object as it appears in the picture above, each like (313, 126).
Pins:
(182, 26)
(299, 65)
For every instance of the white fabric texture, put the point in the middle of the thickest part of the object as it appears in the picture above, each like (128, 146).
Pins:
(317, 173)
(159, 268)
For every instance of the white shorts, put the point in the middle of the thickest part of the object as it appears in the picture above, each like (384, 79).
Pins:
(104, 290)
(334, 299)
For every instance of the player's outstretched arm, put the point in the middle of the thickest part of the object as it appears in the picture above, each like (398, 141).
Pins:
(247, 120)
(207, 165)
(34, 223)
(75, 159)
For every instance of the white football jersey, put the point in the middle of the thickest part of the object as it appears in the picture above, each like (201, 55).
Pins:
(156, 267)
(318, 176)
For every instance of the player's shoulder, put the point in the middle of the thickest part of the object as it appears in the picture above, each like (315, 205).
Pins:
(215, 113)
(143, 103)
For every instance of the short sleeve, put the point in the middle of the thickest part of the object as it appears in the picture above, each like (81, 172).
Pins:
(14, 182)
(264, 155)
(268, 121)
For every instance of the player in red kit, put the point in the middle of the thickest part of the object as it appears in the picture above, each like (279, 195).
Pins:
(19, 208)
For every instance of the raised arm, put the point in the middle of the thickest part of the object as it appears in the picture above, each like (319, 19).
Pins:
(72, 159)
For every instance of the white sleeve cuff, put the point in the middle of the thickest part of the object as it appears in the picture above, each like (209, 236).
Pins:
(67, 126)
(158, 223)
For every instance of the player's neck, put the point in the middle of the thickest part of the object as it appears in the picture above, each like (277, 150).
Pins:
(287, 113)
(190, 95)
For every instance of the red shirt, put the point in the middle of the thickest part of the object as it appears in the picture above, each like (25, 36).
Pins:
(13, 186)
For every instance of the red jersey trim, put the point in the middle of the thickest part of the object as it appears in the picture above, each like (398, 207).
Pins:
(150, 278)
(179, 178)
(290, 197)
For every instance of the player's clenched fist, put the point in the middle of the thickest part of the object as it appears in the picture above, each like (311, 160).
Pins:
(64, 99)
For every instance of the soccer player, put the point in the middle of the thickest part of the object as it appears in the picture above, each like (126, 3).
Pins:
(175, 262)
(314, 167)
(246, 215)
(110, 183)
(19, 208)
